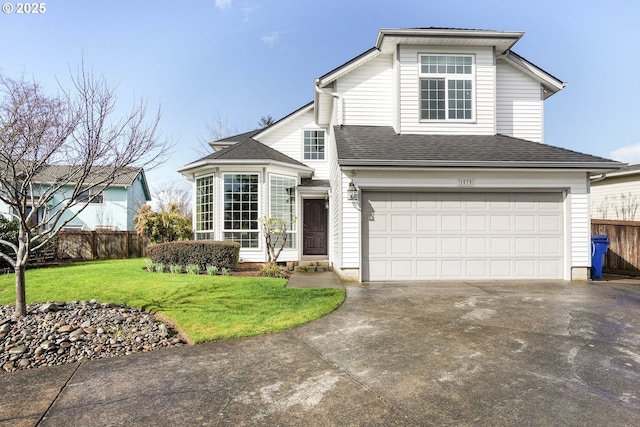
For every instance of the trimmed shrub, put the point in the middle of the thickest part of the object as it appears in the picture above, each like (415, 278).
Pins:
(200, 252)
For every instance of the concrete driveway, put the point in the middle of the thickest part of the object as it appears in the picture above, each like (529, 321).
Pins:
(464, 354)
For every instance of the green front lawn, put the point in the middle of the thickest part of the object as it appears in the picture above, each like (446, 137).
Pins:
(203, 307)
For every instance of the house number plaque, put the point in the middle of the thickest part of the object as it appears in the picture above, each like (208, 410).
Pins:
(466, 182)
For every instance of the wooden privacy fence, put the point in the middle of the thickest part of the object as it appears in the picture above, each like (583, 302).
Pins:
(91, 245)
(623, 256)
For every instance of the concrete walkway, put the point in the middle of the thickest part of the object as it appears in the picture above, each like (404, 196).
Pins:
(464, 354)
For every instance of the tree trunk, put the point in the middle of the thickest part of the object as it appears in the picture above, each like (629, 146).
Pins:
(22, 257)
(21, 295)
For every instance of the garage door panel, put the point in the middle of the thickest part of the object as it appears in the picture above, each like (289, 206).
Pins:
(426, 236)
(550, 246)
(426, 222)
(475, 269)
(476, 224)
(524, 268)
(400, 223)
(476, 245)
(427, 246)
(524, 223)
(452, 269)
(499, 245)
(500, 223)
(402, 269)
(378, 246)
(451, 223)
(525, 245)
(549, 224)
(402, 246)
(451, 245)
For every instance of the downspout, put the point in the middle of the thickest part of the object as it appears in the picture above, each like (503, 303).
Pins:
(340, 102)
(599, 178)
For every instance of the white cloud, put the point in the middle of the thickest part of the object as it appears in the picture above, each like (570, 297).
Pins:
(223, 4)
(271, 40)
(629, 154)
(248, 13)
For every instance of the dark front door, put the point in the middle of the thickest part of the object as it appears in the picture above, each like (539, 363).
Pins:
(315, 227)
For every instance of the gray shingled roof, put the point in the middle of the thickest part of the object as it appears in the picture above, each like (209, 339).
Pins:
(52, 173)
(250, 149)
(382, 146)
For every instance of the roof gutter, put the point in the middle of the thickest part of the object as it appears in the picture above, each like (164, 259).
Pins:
(188, 171)
(378, 163)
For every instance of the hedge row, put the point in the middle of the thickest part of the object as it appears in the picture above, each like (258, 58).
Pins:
(203, 253)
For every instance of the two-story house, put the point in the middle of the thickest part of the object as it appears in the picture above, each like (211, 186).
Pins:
(420, 159)
(111, 207)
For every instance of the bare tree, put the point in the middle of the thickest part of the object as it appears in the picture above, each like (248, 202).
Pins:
(172, 194)
(57, 153)
(624, 206)
(266, 121)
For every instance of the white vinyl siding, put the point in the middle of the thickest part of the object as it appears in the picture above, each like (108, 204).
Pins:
(289, 140)
(616, 198)
(483, 104)
(367, 93)
(519, 104)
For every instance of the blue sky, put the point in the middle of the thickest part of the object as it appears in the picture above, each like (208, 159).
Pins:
(238, 60)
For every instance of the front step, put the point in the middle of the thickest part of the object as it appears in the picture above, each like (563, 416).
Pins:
(313, 266)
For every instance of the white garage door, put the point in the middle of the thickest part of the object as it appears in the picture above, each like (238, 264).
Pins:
(427, 236)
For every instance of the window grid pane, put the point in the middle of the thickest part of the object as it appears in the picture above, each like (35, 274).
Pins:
(204, 207)
(432, 95)
(454, 103)
(241, 209)
(283, 205)
(459, 99)
(314, 144)
(441, 64)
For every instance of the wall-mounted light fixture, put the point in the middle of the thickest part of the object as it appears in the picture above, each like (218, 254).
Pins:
(352, 191)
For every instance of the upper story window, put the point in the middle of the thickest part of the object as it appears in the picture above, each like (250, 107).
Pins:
(91, 195)
(314, 145)
(446, 87)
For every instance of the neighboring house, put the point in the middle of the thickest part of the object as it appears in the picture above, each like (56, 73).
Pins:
(420, 159)
(111, 208)
(616, 195)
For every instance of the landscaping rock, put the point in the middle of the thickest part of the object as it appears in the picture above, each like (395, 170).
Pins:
(57, 333)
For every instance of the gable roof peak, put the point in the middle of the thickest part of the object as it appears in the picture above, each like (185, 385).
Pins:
(389, 38)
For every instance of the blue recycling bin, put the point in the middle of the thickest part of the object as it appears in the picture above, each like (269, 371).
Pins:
(599, 246)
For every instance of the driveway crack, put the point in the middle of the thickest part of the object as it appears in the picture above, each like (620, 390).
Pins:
(55, 399)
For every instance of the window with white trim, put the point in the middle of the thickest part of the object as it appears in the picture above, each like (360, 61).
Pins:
(283, 205)
(314, 145)
(446, 87)
(204, 208)
(241, 209)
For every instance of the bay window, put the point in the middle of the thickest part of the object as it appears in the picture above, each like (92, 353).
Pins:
(240, 198)
(204, 208)
(283, 205)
